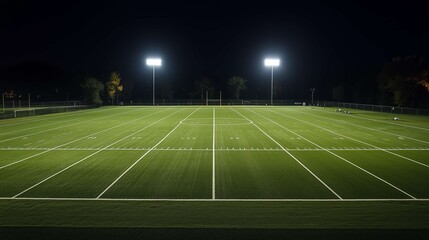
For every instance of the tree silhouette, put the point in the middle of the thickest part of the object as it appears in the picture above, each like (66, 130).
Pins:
(404, 79)
(201, 86)
(237, 85)
(91, 90)
(114, 86)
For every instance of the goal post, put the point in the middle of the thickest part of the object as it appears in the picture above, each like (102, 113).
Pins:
(47, 110)
(214, 101)
(23, 112)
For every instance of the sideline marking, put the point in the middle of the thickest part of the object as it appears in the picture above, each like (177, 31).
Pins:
(220, 199)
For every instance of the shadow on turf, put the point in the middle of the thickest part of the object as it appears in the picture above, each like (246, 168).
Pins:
(7, 233)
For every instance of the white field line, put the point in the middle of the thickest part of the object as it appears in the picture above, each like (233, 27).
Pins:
(336, 155)
(214, 157)
(83, 159)
(44, 117)
(146, 153)
(52, 129)
(219, 199)
(356, 140)
(45, 125)
(286, 151)
(376, 120)
(78, 139)
(208, 149)
(25, 129)
(220, 124)
(372, 129)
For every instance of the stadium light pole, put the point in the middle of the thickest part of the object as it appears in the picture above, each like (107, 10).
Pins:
(312, 94)
(153, 62)
(272, 62)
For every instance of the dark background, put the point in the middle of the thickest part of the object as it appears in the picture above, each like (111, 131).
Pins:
(48, 47)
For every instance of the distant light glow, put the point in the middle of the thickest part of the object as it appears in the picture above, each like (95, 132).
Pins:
(272, 62)
(153, 62)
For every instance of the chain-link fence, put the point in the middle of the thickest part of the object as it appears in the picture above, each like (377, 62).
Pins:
(223, 102)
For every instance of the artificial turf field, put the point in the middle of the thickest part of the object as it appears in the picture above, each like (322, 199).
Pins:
(236, 170)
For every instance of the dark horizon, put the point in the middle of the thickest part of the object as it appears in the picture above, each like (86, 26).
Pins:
(321, 45)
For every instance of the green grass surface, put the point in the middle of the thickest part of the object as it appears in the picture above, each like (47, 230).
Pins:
(215, 168)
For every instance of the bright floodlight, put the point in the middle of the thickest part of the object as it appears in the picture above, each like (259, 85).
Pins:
(272, 62)
(153, 62)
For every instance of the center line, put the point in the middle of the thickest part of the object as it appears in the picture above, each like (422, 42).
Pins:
(214, 153)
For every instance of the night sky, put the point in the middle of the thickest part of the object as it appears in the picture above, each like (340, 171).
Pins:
(320, 43)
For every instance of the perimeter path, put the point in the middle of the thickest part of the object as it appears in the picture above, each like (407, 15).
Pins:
(85, 158)
(78, 139)
(353, 139)
(336, 155)
(292, 156)
(356, 125)
(64, 126)
(144, 155)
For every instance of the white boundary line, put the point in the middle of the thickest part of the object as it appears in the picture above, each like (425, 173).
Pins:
(314, 175)
(83, 159)
(373, 129)
(45, 125)
(51, 149)
(51, 129)
(219, 199)
(214, 157)
(66, 114)
(146, 153)
(362, 169)
(376, 120)
(356, 140)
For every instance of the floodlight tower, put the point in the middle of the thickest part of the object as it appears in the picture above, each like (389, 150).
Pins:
(312, 94)
(153, 62)
(272, 62)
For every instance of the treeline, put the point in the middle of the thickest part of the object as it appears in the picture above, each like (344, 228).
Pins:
(93, 89)
(403, 81)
